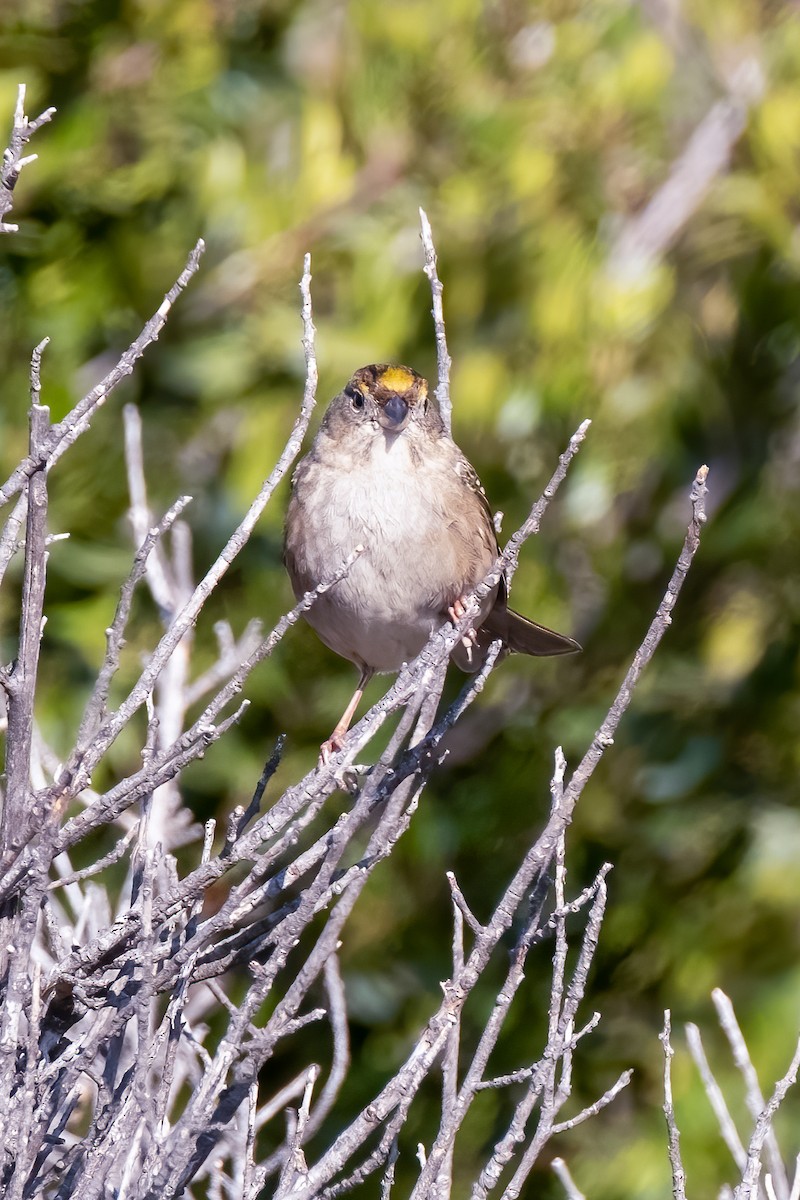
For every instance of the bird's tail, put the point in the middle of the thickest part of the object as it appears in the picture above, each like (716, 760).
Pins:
(526, 637)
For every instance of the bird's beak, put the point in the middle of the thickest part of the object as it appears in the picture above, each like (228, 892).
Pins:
(395, 414)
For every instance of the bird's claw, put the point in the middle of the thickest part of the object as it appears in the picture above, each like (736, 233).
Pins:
(456, 612)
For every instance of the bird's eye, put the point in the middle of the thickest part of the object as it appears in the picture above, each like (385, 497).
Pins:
(356, 397)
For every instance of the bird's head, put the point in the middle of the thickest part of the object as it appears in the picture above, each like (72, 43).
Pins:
(387, 396)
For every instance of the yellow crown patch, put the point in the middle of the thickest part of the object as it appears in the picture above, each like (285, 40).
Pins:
(396, 379)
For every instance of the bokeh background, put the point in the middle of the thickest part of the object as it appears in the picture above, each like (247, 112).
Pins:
(532, 133)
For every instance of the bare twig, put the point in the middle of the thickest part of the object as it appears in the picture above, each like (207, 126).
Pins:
(78, 420)
(20, 681)
(753, 1095)
(678, 1173)
(604, 737)
(562, 1171)
(9, 536)
(748, 1187)
(81, 766)
(443, 359)
(727, 1127)
(464, 908)
(795, 1192)
(13, 161)
(592, 1110)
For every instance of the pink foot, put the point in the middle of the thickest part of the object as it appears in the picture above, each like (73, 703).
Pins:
(456, 612)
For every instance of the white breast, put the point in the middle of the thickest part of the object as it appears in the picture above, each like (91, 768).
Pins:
(382, 613)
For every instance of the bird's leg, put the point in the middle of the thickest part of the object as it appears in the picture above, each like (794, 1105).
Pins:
(456, 612)
(334, 742)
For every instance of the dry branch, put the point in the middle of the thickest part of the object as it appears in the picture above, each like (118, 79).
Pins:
(107, 1068)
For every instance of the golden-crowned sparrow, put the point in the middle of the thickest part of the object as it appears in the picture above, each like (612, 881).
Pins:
(384, 473)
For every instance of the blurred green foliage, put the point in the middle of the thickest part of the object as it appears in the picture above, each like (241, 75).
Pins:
(530, 133)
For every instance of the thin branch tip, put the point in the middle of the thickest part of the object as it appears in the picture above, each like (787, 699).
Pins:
(443, 360)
